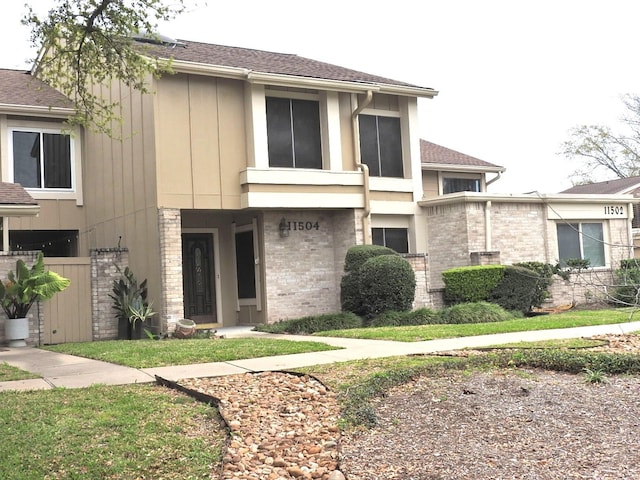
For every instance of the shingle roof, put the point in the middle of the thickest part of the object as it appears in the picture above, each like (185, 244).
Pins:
(15, 194)
(437, 154)
(617, 186)
(18, 87)
(265, 62)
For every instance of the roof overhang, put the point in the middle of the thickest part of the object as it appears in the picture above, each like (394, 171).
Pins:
(448, 167)
(11, 210)
(32, 110)
(261, 78)
(475, 197)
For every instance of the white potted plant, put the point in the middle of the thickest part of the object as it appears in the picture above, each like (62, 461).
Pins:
(21, 290)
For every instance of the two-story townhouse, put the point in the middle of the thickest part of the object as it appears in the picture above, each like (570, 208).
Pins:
(239, 185)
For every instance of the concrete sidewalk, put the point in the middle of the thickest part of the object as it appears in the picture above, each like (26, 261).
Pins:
(60, 370)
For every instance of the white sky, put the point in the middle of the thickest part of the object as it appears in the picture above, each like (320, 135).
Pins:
(513, 76)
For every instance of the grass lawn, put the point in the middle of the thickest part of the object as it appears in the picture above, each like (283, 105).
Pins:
(9, 373)
(125, 432)
(569, 319)
(161, 353)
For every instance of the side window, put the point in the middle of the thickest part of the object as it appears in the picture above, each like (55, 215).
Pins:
(394, 238)
(381, 145)
(581, 240)
(453, 185)
(42, 160)
(293, 133)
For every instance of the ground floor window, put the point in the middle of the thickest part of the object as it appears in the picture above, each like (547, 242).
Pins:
(395, 238)
(583, 241)
(52, 243)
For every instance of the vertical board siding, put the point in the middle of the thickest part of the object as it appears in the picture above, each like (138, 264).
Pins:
(67, 316)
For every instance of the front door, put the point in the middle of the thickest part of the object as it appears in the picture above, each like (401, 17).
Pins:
(198, 270)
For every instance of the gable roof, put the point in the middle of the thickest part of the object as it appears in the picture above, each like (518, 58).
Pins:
(19, 90)
(254, 64)
(437, 157)
(617, 186)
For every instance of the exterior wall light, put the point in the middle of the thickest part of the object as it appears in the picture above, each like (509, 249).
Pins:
(283, 228)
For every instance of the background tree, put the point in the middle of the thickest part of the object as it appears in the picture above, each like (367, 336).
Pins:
(87, 42)
(604, 152)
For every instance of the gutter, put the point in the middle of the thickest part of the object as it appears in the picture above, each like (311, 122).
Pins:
(361, 166)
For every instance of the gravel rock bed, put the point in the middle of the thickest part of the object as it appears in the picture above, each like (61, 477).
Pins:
(282, 425)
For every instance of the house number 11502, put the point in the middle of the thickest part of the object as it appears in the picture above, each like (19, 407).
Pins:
(303, 226)
(613, 210)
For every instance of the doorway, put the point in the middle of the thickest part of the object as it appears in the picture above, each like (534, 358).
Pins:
(199, 276)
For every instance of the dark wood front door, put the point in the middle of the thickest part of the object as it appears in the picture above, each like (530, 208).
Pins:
(198, 272)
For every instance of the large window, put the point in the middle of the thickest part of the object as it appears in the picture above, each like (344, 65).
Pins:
(453, 185)
(381, 145)
(293, 133)
(395, 238)
(583, 241)
(42, 160)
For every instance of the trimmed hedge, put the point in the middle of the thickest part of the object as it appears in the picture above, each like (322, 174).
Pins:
(477, 312)
(314, 323)
(546, 272)
(421, 316)
(471, 284)
(517, 289)
(387, 283)
(350, 288)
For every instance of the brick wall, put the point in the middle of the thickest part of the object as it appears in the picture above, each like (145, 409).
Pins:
(303, 270)
(107, 265)
(420, 265)
(169, 224)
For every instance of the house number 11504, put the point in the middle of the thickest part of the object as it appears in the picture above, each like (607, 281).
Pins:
(303, 226)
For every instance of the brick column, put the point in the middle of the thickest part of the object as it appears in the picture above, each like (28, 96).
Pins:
(107, 265)
(169, 225)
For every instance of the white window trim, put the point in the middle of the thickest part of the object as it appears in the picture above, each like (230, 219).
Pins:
(75, 192)
(466, 176)
(605, 240)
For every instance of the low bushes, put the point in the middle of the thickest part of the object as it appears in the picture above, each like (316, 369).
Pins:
(478, 312)
(314, 323)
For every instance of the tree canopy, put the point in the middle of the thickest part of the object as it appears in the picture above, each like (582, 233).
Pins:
(605, 152)
(83, 43)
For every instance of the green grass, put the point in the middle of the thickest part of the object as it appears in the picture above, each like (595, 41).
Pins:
(154, 353)
(103, 432)
(543, 322)
(9, 373)
(568, 343)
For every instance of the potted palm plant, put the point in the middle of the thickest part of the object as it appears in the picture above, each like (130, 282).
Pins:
(21, 290)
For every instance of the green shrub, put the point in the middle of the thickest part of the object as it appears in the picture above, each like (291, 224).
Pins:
(477, 312)
(517, 289)
(546, 272)
(314, 323)
(471, 284)
(350, 289)
(627, 280)
(421, 316)
(573, 361)
(387, 283)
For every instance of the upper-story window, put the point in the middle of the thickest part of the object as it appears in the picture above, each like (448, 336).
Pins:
(584, 241)
(293, 133)
(453, 185)
(42, 159)
(381, 145)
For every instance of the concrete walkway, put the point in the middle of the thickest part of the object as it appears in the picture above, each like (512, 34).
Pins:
(60, 370)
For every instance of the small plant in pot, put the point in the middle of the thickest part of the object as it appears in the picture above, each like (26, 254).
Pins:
(131, 306)
(21, 290)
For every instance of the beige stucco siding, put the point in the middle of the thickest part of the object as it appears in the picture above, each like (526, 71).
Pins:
(430, 184)
(201, 142)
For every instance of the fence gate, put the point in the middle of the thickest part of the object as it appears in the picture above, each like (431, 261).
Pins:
(67, 316)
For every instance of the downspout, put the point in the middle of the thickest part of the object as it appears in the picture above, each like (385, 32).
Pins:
(487, 226)
(497, 177)
(366, 231)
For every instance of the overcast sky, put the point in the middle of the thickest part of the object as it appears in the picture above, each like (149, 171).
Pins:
(514, 76)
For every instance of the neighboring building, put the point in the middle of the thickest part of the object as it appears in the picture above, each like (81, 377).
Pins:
(239, 185)
(619, 186)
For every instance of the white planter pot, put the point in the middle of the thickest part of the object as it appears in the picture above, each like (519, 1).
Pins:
(16, 330)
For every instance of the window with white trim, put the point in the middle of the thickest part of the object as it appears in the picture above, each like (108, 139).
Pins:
(381, 145)
(394, 238)
(42, 159)
(455, 184)
(584, 241)
(293, 133)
